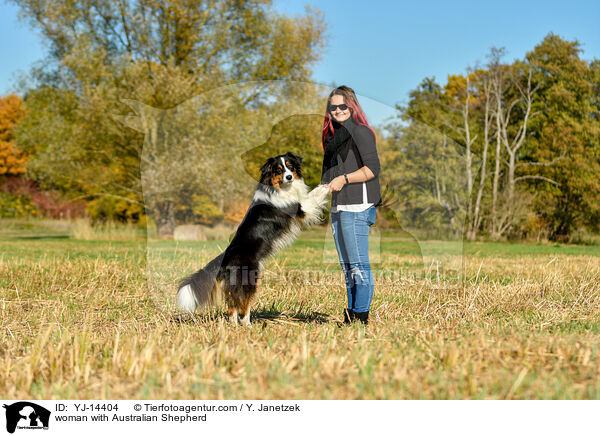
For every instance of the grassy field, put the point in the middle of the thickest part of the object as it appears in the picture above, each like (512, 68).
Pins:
(96, 319)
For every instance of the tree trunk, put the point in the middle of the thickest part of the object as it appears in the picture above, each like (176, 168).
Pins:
(164, 215)
(486, 128)
(468, 163)
(495, 183)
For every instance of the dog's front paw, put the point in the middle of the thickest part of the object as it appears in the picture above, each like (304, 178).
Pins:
(319, 194)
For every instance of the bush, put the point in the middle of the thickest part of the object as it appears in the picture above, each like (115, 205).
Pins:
(103, 209)
(16, 206)
(584, 236)
(205, 211)
(46, 203)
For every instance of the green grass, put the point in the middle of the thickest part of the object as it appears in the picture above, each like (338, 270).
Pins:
(96, 319)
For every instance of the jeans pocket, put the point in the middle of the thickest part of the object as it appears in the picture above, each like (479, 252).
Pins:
(371, 215)
(366, 216)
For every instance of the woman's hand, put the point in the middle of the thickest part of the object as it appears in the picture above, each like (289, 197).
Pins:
(336, 184)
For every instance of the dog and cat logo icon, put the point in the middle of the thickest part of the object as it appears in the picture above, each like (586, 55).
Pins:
(26, 415)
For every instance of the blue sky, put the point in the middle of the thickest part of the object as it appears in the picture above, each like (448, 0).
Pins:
(383, 49)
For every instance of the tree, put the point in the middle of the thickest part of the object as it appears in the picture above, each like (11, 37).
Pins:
(427, 169)
(299, 134)
(568, 128)
(514, 102)
(12, 160)
(484, 100)
(542, 115)
(461, 91)
(160, 54)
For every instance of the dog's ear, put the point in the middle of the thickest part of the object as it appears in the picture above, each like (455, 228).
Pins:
(267, 165)
(266, 172)
(296, 159)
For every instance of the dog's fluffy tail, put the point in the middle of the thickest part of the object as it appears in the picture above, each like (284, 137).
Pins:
(201, 288)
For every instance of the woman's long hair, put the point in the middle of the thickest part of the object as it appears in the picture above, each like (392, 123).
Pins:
(356, 112)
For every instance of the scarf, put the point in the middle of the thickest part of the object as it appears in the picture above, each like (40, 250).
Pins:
(336, 145)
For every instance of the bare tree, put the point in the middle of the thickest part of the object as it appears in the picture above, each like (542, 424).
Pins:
(464, 132)
(519, 108)
(497, 75)
(475, 222)
(512, 145)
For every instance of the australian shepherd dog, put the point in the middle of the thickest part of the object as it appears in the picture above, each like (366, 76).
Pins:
(282, 204)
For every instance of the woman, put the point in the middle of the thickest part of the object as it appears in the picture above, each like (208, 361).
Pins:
(351, 170)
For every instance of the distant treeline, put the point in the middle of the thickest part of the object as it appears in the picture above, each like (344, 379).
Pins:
(506, 150)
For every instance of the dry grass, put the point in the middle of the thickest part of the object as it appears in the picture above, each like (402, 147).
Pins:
(79, 319)
(84, 229)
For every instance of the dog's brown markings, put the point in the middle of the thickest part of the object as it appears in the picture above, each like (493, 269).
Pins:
(293, 170)
(230, 308)
(277, 178)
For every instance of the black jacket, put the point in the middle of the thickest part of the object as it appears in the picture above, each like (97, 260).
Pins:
(351, 147)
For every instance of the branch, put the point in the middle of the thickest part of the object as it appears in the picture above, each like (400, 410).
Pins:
(505, 121)
(538, 178)
(541, 164)
(86, 196)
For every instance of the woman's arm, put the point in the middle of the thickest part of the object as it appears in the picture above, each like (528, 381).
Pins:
(360, 175)
(365, 142)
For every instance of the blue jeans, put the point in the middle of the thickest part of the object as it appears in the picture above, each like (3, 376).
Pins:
(351, 235)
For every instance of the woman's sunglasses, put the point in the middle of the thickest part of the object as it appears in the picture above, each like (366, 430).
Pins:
(333, 107)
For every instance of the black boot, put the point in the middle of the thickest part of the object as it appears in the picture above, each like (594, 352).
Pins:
(362, 317)
(348, 316)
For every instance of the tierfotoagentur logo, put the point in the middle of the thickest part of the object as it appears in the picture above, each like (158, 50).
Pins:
(24, 415)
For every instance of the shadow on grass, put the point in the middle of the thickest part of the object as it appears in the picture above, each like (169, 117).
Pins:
(264, 315)
(297, 317)
(10, 237)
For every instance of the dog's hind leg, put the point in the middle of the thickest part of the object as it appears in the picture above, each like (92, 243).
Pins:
(249, 292)
(245, 309)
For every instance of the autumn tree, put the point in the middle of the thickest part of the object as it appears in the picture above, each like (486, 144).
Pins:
(567, 130)
(12, 160)
(160, 54)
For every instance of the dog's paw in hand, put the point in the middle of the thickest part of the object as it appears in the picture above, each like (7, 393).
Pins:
(320, 192)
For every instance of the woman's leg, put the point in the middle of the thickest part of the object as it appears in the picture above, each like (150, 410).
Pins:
(341, 249)
(353, 228)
